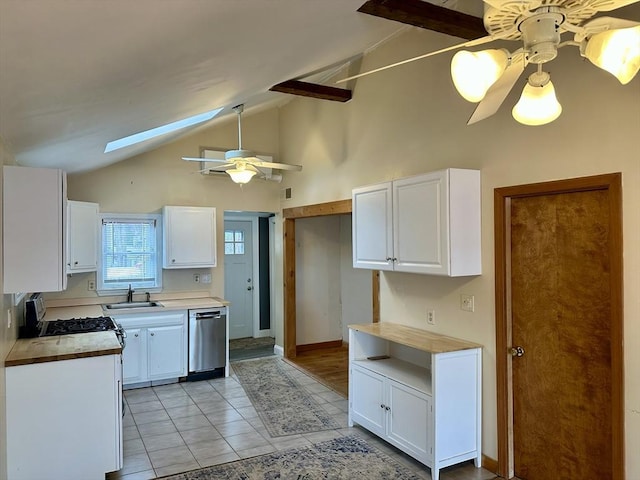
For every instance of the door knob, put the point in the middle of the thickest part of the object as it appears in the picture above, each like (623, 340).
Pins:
(248, 288)
(516, 351)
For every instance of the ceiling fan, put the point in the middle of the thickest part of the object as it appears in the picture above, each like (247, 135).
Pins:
(240, 164)
(488, 76)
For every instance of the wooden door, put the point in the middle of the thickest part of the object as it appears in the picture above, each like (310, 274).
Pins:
(562, 298)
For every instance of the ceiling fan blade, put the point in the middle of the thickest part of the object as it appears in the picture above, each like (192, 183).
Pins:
(608, 5)
(470, 43)
(200, 159)
(498, 92)
(279, 166)
(427, 15)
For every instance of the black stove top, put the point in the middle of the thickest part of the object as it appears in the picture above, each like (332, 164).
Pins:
(78, 325)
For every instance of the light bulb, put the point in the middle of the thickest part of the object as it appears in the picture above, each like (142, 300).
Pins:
(241, 174)
(538, 104)
(473, 73)
(616, 51)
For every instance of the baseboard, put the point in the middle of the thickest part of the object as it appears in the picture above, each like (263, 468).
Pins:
(489, 464)
(262, 333)
(278, 350)
(318, 346)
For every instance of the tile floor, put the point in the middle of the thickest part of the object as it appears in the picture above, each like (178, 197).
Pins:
(184, 426)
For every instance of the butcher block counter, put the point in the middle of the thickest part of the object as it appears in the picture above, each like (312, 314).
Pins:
(27, 351)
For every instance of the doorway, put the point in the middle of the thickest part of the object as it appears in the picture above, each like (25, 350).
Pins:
(559, 329)
(248, 258)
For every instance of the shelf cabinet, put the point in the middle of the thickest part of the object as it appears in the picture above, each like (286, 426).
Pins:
(419, 391)
(156, 349)
(189, 237)
(82, 237)
(427, 224)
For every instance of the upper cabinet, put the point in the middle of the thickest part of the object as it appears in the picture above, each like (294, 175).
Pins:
(189, 237)
(427, 224)
(34, 215)
(82, 237)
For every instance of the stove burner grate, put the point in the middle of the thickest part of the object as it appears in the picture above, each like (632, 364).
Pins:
(78, 325)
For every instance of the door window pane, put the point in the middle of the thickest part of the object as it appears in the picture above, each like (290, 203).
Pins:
(233, 242)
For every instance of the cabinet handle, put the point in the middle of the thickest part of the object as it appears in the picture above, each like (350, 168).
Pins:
(152, 334)
(387, 408)
(389, 259)
(381, 406)
(136, 335)
(173, 260)
(75, 263)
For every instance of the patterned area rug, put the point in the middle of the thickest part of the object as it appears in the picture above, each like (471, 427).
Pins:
(344, 458)
(282, 403)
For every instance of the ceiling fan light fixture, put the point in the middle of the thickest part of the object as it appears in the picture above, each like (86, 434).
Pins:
(616, 51)
(538, 104)
(473, 73)
(242, 174)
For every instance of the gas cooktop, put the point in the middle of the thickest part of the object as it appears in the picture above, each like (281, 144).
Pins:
(78, 325)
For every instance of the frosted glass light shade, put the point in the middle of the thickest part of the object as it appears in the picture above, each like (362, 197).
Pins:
(538, 105)
(617, 52)
(473, 73)
(241, 174)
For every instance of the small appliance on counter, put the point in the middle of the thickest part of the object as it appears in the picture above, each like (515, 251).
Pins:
(34, 311)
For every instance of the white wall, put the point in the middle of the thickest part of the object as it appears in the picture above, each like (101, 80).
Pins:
(410, 120)
(330, 293)
(356, 287)
(318, 308)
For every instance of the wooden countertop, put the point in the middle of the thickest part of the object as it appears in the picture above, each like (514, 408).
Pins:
(27, 351)
(415, 337)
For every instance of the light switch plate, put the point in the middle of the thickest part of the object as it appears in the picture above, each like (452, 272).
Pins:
(467, 303)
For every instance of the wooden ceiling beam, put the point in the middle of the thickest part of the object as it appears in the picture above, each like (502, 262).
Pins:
(426, 15)
(314, 90)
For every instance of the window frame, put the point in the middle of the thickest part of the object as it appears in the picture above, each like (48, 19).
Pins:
(102, 289)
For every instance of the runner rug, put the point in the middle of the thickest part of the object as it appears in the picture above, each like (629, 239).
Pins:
(344, 458)
(282, 403)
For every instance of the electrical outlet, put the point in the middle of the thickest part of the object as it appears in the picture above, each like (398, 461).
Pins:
(431, 317)
(206, 278)
(9, 318)
(467, 303)
(196, 277)
(91, 285)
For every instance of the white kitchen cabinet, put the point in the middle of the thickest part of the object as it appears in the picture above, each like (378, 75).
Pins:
(64, 419)
(189, 237)
(82, 237)
(156, 349)
(417, 390)
(427, 224)
(34, 216)
(133, 356)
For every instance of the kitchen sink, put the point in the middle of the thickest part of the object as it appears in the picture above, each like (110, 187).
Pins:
(116, 306)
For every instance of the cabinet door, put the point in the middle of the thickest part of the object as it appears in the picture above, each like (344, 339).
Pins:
(409, 420)
(133, 357)
(166, 354)
(421, 223)
(372, 227)
(189, 237)
(82, 237)
(368, 399)
(34, 214)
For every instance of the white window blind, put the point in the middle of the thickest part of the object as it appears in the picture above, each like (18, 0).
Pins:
(130, 253)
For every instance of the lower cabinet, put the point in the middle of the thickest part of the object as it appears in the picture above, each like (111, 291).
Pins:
(64, 419)
(156, 348)
(394, 411)
(417, 390)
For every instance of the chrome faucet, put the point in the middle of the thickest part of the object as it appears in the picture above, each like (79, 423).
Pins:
(130, 294)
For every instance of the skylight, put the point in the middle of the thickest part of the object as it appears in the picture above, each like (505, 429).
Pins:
(162, 130)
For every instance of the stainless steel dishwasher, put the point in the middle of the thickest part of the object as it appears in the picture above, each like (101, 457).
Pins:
(207, 343)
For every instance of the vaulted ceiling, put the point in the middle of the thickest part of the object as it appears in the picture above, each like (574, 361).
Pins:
(75, 75)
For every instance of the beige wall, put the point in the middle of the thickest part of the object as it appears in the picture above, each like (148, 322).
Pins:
(144, 184)
(7, 335)
(410, 120)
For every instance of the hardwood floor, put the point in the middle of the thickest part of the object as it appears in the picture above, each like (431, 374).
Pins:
(330, 366)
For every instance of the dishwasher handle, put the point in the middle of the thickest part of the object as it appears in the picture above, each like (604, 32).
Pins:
(204, 316)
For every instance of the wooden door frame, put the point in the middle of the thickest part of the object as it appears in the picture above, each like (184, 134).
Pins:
(502, 203)
(290, 215)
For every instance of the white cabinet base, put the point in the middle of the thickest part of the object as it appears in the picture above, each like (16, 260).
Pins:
(64, 419)
(424, 397)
